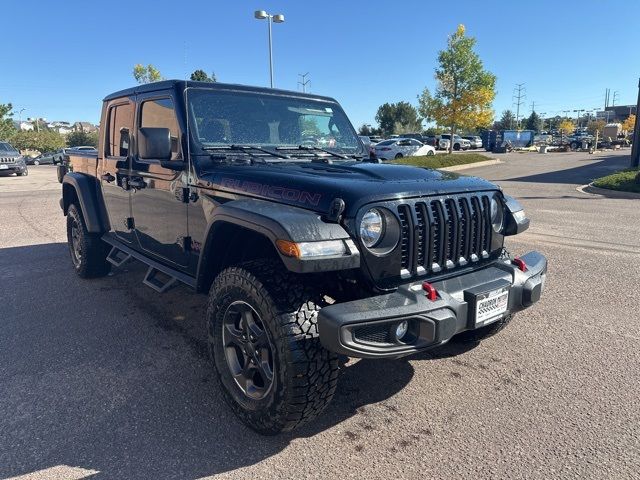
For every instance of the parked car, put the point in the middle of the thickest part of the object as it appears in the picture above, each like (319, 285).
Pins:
(307, 252)
(375, 138)
(402, 147)
(87, 149)
(459, 143)
(11, 161)
(368, 145)
(436, 142)
(42, 159)
(475, 140)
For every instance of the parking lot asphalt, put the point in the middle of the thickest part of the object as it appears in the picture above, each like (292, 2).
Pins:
(108, 378)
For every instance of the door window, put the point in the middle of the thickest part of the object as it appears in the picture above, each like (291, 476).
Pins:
(120, 123)
(160, 113)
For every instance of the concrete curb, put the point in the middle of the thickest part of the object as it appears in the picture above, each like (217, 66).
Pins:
(455, 168)
(589, 189)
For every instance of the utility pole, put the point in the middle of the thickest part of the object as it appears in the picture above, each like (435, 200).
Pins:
(533, 106)
(635, 151)
(303, 82)
(606, 98)
(615, 96)
(519, 95)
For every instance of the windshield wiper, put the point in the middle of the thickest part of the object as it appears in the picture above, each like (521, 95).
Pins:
(311, 148)
(247, 149)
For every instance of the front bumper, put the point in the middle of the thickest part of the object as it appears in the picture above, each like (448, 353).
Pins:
(13, 168)
(364, 328)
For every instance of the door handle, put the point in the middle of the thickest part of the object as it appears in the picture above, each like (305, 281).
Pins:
(107, 177)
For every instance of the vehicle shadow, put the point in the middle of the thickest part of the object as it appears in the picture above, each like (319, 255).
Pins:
(107, 375)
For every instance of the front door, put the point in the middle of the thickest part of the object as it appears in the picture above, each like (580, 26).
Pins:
(115, 165)
(158, 194)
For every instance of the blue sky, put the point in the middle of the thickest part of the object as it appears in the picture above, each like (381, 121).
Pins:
(60, 58)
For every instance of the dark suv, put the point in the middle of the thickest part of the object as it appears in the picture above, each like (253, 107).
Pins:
(266, 201)
(11, 161)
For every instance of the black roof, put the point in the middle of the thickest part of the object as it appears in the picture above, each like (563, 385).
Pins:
(182, 84)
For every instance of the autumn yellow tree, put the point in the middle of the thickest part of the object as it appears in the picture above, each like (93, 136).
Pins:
(629, 124)
(464, 91)
(566, 126)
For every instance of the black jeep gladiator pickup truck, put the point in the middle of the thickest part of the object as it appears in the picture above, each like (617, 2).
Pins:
(267, 201)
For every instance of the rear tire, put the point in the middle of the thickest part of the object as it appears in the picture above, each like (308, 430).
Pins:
(398, 155)
(282, 377)
(88, 251)
(456, 147)
(473, 336)
(430, 152)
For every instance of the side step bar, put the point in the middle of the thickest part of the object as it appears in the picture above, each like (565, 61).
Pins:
(117, 257)
(159, 276)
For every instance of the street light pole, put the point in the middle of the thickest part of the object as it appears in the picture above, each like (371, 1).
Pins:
(278, 18)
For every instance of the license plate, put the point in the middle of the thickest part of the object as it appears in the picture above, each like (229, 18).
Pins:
(4, 167)
(491, 305)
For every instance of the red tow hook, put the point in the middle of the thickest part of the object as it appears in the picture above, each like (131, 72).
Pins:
(431, 292)
(518, 262)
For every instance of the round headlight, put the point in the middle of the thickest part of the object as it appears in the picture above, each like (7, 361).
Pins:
(371, 228)
(497, 214)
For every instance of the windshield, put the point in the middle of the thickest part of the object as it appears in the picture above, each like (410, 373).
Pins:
(245, 118)
(7, 149)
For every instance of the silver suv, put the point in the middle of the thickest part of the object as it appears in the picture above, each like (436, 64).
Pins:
(459, 143)
(11, 161)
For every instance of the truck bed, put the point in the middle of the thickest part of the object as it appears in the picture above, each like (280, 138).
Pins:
(83, 162)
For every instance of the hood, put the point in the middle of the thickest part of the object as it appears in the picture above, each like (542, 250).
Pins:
(315, 185)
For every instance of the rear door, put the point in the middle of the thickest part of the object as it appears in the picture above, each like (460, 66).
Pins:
(115, 166)
(159, 195)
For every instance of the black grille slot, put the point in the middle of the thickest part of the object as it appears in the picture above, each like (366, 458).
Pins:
(404, 213)
(373, 333)
(444, 233)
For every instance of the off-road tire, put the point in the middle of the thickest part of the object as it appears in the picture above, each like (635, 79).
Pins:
(305, 374)
(472, 336)
(92, 261)
(22, 174)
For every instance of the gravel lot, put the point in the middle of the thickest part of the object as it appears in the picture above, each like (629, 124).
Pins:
(108, 377)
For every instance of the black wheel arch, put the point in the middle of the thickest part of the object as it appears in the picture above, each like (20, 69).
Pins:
(248, 229)
(87, 192)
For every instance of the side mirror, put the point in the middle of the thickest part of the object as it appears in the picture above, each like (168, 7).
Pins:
(154, 143)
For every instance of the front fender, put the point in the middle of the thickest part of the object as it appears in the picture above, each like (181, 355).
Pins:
(276, 221)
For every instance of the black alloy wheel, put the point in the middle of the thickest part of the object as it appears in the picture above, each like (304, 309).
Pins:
(248, 350)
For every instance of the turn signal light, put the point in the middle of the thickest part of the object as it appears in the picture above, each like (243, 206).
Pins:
(432, 293)
(288, 249)
(518, 262)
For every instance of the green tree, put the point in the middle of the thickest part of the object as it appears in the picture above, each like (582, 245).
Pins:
(401, 117)
(201, 76)
(146, 74)
(43, 141)
(7, 129)
(465, 90)
(595, 126)
(76, 139)
(533, 122)
(507, 121)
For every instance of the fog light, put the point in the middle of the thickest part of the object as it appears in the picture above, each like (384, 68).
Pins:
(401, 329)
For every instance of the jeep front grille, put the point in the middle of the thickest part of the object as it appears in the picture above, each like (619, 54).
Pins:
(444, 233)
